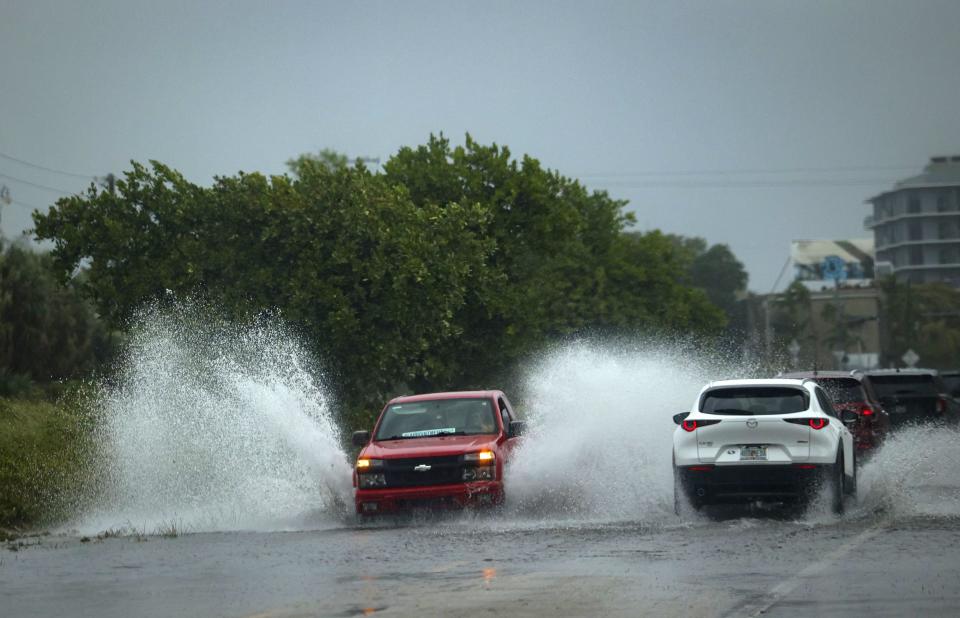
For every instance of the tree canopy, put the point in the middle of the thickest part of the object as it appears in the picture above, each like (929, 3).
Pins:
(47, 331)
(922, 317)
(438, 272)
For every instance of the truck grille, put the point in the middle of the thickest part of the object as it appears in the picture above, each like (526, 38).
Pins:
(403, 472)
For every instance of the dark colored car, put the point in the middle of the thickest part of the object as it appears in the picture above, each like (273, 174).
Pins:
(912, 396)
(951, 381)
(435, 451)
(852, 391)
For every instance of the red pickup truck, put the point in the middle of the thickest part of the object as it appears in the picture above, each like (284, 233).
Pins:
(435, 451)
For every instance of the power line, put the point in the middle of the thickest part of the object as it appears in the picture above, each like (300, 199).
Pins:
(45, 168)
(734, 184)
(37, 185)
(26, 205)
(733, 172)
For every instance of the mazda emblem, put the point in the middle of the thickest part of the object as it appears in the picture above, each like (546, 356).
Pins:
(422, 468)
(752, 423)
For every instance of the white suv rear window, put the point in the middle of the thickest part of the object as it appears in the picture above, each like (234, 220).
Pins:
(754, 400)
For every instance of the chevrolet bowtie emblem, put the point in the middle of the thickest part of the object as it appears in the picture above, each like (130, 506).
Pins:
(422, 468)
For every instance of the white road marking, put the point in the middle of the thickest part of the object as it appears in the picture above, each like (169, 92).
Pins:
(784, 588)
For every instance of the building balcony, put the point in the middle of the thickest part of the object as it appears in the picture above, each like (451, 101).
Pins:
(871, 221)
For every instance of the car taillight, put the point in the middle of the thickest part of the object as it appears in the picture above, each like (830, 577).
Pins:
(815, 423)
(693, 425)
(866, 411)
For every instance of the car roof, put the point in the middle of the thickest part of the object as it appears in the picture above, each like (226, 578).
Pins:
(756, 382)
(491, 394)
(893, 372)
(813, 375)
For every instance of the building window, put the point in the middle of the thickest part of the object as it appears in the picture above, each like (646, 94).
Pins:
(913, 206)
(948, 229)
(949, 255)
(916, 230)
(943, 203)
(916, 256)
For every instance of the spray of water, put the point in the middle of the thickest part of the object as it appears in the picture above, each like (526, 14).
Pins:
(599, 446)
(913, 474)
(209, 426)
(600, 440)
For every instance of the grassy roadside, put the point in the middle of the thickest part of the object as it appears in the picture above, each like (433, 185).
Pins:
(44, 446)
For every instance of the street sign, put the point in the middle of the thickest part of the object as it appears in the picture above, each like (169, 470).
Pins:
(910, 358)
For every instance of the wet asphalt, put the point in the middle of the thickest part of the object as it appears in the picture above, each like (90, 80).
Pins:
(740, 563)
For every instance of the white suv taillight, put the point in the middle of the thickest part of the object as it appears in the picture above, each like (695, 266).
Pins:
(814, 423)
(693, 425)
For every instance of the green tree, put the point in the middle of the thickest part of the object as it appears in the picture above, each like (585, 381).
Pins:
(437, 273)
(715, 270)
(374, 280)
(561, 263)
(922, 317)
(48, 331)
(325, 158)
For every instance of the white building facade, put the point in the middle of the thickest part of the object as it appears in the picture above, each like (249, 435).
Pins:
(916, 225)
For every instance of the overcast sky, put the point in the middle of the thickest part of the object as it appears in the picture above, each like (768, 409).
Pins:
(805, 108)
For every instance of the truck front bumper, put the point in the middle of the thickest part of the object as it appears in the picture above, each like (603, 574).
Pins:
(432, 497)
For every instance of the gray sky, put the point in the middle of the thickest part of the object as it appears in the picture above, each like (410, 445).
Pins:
(823, 103)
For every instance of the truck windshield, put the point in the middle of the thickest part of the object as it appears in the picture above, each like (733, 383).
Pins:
(422, 419)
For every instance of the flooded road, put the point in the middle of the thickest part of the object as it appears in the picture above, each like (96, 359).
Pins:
(742, 566)
(222, 469)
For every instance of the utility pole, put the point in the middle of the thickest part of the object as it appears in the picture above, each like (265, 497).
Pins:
(4, 201)
(108, 182)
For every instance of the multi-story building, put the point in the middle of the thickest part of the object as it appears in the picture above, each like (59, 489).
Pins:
(916, 225)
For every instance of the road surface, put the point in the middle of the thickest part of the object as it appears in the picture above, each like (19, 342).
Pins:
(746, 564)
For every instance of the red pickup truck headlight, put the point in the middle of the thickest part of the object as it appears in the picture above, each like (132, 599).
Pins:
(372, 480)
(480, 473)
(368, 476)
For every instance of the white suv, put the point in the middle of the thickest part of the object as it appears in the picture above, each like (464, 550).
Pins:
(762, 440)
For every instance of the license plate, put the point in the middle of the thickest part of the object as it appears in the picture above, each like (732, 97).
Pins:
(753, 453)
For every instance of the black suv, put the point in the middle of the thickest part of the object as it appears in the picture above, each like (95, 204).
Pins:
(951, 380)
(912, 395)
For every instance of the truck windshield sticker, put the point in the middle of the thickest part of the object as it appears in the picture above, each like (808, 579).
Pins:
(428, 432)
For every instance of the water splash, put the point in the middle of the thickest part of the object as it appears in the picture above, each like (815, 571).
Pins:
(600, 439)
(216, 427)
(913, 474)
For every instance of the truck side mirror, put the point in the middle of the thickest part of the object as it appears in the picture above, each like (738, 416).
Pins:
(679, 418)
(360, 438)
(517, 428)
